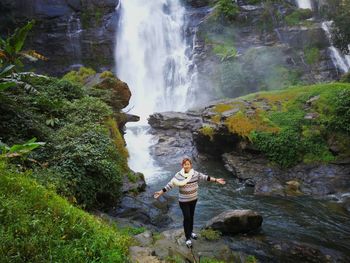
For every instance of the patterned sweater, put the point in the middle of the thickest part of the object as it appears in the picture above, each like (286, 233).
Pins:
(189, 191)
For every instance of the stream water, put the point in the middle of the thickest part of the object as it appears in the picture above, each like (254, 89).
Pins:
(153, 57)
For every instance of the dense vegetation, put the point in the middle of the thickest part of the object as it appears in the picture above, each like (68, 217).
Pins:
(58, 137)
(298, 124)
(37, 225)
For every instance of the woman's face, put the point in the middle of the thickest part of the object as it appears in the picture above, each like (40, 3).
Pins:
(187, 166)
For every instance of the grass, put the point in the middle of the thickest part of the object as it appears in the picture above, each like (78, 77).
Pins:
(37, 225)
(283, 133)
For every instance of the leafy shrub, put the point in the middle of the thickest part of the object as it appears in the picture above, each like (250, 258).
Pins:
(341, 118)
(227, 9)
(90, 164)
(106, 74)
(282, 148)
(80, 76)
(37, 225)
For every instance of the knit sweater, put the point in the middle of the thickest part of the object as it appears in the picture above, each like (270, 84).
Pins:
(189, 191)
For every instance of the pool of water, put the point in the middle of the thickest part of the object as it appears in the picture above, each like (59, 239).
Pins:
(321, 223)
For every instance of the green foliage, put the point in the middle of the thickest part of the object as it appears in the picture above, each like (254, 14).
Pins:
(82, 159)
(341, 119)
(211, 260)
(210, 234)
(225, 52)
(282, 148)
(345, 78)
(174, 259)
(11, 52)
(106, 74)
(301, 139)
(251, 259)
(208, 131)
(21, 150)
(227, 9)
(85, 156)
(80, 76)
(312, 55)
(37, 225)
(298, 16)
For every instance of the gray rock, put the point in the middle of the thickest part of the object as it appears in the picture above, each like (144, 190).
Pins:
(236, 221)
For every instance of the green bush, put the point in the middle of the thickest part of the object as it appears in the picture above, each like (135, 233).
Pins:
(282, 148)
(36, 225)
(80, 76)
(341, 119)
(84, 162)
(90, 164)
(227, 9)
(298, 16)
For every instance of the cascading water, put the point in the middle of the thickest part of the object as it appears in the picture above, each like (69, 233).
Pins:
(74, 33)
(340, 61)
(305, 4)
(151, 57)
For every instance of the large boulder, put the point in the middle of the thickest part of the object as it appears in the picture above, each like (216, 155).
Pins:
(235, 221)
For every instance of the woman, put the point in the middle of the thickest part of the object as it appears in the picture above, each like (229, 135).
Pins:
(187, 181)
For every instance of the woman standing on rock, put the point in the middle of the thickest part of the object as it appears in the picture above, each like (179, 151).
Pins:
(187, 181)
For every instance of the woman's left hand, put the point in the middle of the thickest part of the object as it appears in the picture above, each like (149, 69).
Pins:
(221, 181)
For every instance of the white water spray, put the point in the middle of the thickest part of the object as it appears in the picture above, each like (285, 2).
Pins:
(305, 4)
(151, 57)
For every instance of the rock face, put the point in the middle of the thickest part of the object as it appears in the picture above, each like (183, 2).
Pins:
(269, 51)
(311, 179)
(120, 93)
(68, 32)
(173, 133)
(236, 221)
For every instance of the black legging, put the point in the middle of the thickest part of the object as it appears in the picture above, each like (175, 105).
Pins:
(188, 213)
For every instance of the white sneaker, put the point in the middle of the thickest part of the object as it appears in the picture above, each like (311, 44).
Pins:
(194, 236)
(188, 243)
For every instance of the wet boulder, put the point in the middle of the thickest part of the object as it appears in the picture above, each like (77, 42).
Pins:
(235, 221)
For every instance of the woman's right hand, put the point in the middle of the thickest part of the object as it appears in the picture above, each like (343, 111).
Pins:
(158, 193)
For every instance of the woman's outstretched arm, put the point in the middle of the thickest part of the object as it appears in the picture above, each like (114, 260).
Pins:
(166, 188)
(211, 178)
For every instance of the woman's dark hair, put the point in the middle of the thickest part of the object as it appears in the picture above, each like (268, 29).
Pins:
(185, 160)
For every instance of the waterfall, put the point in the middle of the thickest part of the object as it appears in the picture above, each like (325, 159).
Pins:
(152, 57)
(339, 60)
(74, 33)
(305, 4)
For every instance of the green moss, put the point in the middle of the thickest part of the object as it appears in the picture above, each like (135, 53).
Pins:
(208, 131)
(297, 16)
(80, 76)
(211, 260)
(210, 234)
(37, 225)
(251, 259)
(106, 74)
(283, 133)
